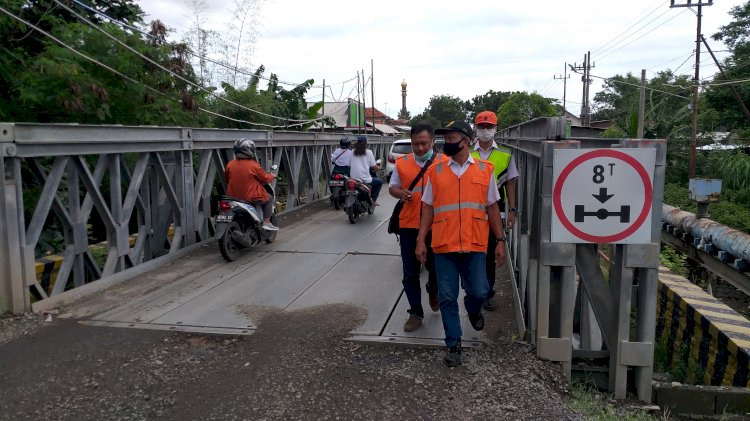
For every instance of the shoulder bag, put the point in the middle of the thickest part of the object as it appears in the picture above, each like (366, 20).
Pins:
(393, 223)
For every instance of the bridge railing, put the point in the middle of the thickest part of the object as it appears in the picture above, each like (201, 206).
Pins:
(150, 189)
(564, 301)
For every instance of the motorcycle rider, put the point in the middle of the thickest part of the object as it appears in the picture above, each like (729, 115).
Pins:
(342, 156)
(362, 161)
(245, 180)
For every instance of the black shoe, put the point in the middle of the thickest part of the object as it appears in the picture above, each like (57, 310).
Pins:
(490, 304)
(453, 356)
(477, 322)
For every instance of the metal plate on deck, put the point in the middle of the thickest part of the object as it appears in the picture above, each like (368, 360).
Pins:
(372, 282)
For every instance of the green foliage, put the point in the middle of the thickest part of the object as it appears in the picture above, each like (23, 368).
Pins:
(673, 260)
(524, 106)
(441, 110)
(490, 101)
(594, 405)
(614, 132)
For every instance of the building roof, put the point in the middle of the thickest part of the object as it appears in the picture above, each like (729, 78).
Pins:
(378, 114)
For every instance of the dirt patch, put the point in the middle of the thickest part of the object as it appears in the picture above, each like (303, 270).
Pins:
(12, 327)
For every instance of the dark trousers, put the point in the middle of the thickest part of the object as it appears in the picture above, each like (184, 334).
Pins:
(491, 243)
(376, 184)
(265, 207)
(411, 270)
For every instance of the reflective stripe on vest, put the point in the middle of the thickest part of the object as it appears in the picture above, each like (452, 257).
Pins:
(461, 205)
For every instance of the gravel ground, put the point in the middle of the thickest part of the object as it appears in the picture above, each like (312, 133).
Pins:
(296, 366)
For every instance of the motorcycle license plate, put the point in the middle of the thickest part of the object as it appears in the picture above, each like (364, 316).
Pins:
(223, 217)
(336, 183)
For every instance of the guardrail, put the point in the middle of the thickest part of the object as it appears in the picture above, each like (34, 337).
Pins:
(134, 180)
(569, 307)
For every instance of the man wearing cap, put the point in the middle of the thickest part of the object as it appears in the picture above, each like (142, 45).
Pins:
(506, 175)
(460, 198)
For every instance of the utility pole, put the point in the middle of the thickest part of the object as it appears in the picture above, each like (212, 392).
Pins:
(565, 76)
(359, 122)
(586, 79)
(642, 104)
(721, 69)
(324, 107)
(694, 104)
(372, 91)
(364, 100)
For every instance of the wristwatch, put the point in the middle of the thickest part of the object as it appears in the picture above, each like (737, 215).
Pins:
(514, 210)
(500, 240)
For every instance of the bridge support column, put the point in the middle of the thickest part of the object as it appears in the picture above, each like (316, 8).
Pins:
(14, 296)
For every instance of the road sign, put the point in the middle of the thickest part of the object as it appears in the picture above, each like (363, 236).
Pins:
(602, 195)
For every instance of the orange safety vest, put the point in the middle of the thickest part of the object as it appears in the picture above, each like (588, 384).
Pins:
(408, 170)
(460, 222)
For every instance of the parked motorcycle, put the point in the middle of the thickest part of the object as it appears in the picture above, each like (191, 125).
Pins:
(239, 224)
(337, 184)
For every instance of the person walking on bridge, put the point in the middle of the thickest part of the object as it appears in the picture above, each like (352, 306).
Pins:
(410, 168)
(506, 175)
(460, 198)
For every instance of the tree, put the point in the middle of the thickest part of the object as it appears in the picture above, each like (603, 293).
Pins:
(523, 106)
(441, 110)
(489, 101)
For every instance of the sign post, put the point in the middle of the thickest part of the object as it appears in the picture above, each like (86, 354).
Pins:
(602, 196)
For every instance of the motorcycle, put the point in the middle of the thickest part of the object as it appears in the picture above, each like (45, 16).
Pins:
(337, 185)
(358, 199)
(239, 224)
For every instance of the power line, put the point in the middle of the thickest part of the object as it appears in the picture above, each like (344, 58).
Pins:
(189, 82)
(128, 78)
(652, 30)
(218, 63)
(638, 86)
(629, 28)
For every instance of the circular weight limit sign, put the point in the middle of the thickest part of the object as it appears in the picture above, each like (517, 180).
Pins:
(588, 185)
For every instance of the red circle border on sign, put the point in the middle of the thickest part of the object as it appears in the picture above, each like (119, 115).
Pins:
(648, 191)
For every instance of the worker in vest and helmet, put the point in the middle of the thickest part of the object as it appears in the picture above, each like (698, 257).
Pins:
(408, 168)
(461, 206)
(506, 175)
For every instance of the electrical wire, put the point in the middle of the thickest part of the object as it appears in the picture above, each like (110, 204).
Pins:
(652, 30)
(218, 63)
(128, 78)
(189, 82)
(669, 61)
(629, 28)
(638, 86)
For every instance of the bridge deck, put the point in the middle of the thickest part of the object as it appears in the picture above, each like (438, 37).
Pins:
(322, 259)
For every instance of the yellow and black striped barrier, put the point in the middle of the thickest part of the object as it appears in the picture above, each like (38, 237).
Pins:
(702, 336)
(47, 267)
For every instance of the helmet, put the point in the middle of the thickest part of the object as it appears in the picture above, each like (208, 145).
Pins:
(345, 143)
(361, 139)
(245, 147)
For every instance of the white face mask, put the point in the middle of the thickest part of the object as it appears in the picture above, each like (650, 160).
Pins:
(486, 135)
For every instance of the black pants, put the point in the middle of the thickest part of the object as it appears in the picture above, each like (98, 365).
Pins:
(411, 270)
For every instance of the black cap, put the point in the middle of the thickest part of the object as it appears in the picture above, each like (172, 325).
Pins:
(457, 126)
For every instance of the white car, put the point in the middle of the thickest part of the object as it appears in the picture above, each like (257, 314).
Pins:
(399, 148)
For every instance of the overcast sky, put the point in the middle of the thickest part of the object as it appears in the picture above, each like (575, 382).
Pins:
(464, 48)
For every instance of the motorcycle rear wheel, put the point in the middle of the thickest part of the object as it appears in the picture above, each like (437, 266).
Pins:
(230, 250)
(336, 203)
(352, 214)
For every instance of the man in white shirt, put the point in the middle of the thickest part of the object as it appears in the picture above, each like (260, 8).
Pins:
(362, 161)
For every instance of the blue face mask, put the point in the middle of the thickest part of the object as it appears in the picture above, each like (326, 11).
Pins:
(424, 158)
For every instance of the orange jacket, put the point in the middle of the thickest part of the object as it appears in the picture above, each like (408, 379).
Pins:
(460, 221)
(408, 170)
(245, 180)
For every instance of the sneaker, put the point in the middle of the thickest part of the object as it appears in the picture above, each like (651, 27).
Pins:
(412, 323)
(434, 302)
(453, 356)
(477, 322)
(270, 227)
(490, 304)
